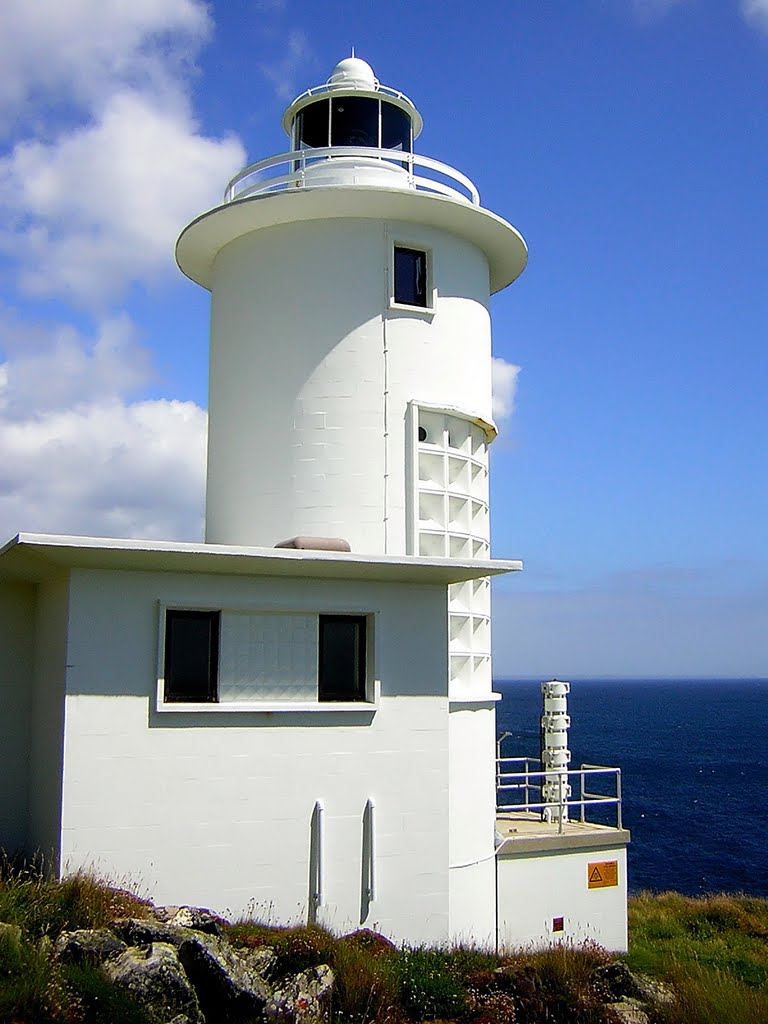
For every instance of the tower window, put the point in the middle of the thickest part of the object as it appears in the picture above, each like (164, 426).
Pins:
(354, 121)
(191, 656)
(342, 658)
(411, 277)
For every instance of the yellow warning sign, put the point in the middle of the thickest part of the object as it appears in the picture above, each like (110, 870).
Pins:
(603, 874)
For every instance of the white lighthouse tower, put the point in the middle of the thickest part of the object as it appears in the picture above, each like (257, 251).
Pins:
(295, 719)
(350, 381)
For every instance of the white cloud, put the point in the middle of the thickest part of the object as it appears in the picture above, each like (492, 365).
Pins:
(504, 382)
(652, 10)
(105, 469)
(756, 13)
(77, 456)
(81, 50)
(283, 73)
(100, 207)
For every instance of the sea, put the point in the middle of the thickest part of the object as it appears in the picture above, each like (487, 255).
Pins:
(694, 768)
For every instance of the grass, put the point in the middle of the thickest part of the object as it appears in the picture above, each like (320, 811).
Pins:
(712, 952)
(34, 987)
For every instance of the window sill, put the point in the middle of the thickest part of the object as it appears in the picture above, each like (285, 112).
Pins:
(402, 307)
(265, 707)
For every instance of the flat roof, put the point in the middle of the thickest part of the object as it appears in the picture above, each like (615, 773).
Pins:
(36, 557)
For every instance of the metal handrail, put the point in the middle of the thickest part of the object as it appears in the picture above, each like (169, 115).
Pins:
(331, 87)
(526, 782)
(243, 184)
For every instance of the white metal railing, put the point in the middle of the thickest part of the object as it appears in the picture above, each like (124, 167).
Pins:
(517, 783)
(294, 170)
(328, 88)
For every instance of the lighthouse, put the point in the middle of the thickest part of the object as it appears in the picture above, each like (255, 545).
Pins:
(350, 380)
(295, 719)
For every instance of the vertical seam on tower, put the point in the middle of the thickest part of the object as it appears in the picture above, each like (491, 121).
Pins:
(385, 354)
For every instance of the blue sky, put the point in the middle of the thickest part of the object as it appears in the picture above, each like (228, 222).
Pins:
(626, 140)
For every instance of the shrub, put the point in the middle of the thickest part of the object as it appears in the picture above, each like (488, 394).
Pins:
(44, 907)
(366, 982)
(428, 989)
(32, 990)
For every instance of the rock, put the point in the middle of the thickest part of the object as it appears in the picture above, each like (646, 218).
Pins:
(262, 960)
(615, 982)
(140, 931)
(87, 946)
(629, 1011)
(197, 918)
(652, 991)
(156, 980)
(302, 999)
(227, 987)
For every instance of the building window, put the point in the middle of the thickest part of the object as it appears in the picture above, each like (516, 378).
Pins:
(342, 658)
(250, 658)
(411, 277)
(191, 656)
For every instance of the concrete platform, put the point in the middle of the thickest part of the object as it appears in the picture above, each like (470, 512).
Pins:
(525, 832)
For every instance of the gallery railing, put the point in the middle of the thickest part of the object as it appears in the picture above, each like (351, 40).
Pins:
(519, 782)
(307, 168)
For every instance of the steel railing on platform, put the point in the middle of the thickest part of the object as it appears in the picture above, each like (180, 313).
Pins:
(519, 782)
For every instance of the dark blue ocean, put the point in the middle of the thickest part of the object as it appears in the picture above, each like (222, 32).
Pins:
(694, 760)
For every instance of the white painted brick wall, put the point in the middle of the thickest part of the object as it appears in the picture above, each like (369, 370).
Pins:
(215, 809)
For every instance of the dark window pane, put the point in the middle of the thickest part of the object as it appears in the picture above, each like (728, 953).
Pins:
(312, 124)
(191, 655)
(395, 128)
(354, 121)
(410, 277)
(341, 674)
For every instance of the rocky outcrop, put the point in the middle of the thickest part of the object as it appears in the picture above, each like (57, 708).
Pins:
(155, 978)
(629, 996)
(303, 999)
(228, 987)
(178, 966)
(88, 946)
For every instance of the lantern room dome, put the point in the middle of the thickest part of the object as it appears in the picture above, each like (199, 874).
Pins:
(353, 71)
(355, 78)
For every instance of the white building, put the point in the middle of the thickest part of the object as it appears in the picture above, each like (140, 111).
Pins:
(304, 730)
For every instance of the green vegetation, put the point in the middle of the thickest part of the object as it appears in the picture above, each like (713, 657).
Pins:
(710, 953)
(713, 951)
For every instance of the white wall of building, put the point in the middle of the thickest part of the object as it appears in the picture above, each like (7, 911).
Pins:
(537, 887)
(46, 751)
(17, 628)
(216, 808)
(312, 370)
(472, 731)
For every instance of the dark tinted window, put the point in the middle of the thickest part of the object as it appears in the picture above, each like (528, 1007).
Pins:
(410, 276)
(354, 121)
(395, 128)
(341, 674)
(191, 655)
(312, 124)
